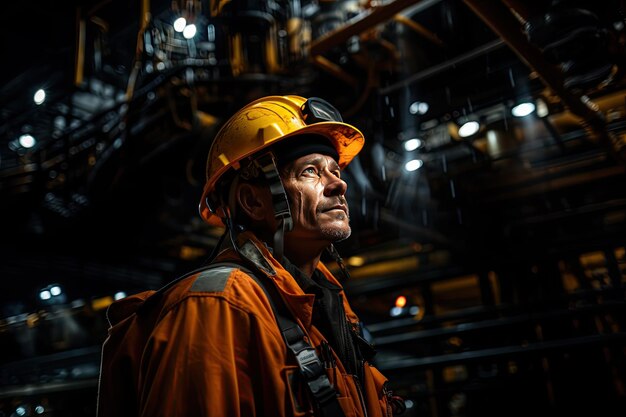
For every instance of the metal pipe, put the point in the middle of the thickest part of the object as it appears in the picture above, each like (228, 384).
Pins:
(358, 24)
(499, 18)
(80, 47)
(481, 50)
(419, 29)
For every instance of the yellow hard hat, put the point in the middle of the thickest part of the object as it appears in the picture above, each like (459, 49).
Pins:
(267, 121)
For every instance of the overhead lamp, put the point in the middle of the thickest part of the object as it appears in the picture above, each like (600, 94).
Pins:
(395, 311)
(180, 24)
(190, 31)
(356, 261)
(27, 140)
(418, 107)
(401, 301)
(523, 109)
(45, 295)
(542, 108)
(469, 128)
(119, 295)
(55, 290)
(39, 97)
(413, 144)
(413, 165)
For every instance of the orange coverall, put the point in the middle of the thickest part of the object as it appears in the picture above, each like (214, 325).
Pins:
(211, 347)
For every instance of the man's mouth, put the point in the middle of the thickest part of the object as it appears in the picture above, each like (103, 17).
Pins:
(336, 207)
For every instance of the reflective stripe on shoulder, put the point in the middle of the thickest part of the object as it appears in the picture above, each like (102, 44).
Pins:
(212, 280)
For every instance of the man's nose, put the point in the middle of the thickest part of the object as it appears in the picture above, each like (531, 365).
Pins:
(334, 185)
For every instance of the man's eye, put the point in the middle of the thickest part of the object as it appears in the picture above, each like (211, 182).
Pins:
(310, 170)
(337, 173)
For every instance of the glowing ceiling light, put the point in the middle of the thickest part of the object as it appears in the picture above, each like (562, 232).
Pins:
(45, 295)
(119, 295)
(468, 128)
(39, 97)
(413, 165)
(418, 107)
(55, 290)
(189, 31)
(180, 24)
(412, 144)
(542, 108)
(401, 301)
(523, 109)
(356, 261)
(395, 311)
(27, 141)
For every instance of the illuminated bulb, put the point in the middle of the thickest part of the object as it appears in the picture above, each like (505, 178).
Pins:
(412, 144)
(418, 107)
(27, 141)
(413, 165)
(56, 290)
(523, 109)
(189, 31)
(180, 24)
(468, 129)
(542, 108)
(395, 311)
(39, 97)
(401, 301)
(45, 295)
(39, 409)
(119, 295)
(356, 261)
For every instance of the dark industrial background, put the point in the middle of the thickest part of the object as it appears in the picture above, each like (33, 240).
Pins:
(490, 274)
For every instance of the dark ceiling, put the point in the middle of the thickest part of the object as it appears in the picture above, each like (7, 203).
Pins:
(107, 197)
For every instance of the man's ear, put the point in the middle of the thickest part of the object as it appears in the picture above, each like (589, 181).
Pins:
(253, 201)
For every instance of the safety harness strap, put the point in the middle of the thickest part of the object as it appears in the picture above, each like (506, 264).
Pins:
(310, 365)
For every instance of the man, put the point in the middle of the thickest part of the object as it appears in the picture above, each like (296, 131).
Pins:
(265, 329)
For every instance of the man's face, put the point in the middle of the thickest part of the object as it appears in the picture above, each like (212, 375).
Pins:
(316, 198)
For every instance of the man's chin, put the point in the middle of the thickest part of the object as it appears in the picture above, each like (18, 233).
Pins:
(337, 234)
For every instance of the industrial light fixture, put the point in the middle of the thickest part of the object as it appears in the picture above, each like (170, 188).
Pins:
(542, 108)
(189, 31)
(413, 165)
(27, 141)
(469, 128)
(180, 24)
(39, 97)
(413, 144)
(523, 109)
(52, 294)
(356, 261)
(418, 107)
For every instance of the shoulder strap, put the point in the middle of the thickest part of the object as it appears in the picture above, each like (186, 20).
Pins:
(309, 363)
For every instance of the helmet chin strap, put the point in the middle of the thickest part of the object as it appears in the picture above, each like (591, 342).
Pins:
(265, 164)
(280, 204)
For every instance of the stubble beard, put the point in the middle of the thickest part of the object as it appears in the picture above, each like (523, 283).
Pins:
(336, 233)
